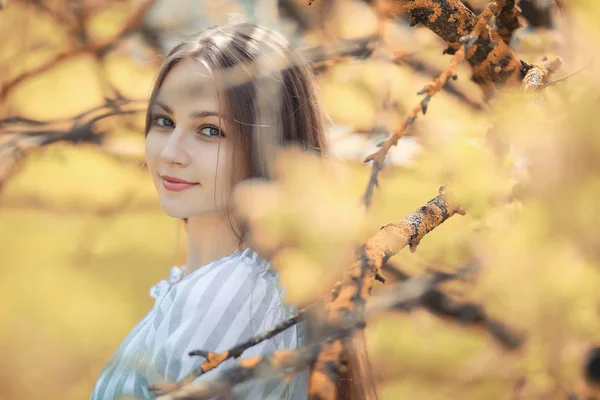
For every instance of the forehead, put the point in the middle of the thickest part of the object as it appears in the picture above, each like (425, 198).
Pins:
(188, 81)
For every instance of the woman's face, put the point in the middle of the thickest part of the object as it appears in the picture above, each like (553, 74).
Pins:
(188, 150)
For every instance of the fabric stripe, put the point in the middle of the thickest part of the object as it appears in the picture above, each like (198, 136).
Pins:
(288, 336)
(177, 312)
(190, 327)
(158, 356)
(106, 374)
(275, 389)
(128, 386)
(139, 389)
(128, 367)
(254, 322)
(151, 336)
(234, 308)
(299, 389)
(194, 284)
(161, 337)
(158, 318)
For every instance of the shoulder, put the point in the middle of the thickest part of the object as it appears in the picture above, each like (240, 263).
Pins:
(249, 264)
(229, 302)
(244, 275)
(239, 268)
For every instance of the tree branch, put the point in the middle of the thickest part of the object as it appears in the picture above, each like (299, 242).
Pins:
(282, 362)
(19, 135)
(467, 43)
(429, 91)
(213, 360)
(354, 291)
(492, 60)
(539, 74)
(99, 48)
(442, 305)
(507, 21)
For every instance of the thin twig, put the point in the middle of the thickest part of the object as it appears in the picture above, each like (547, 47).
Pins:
(19, 135)
(378, 158)
(429, 91)
(564, 78)
(282, 362)
(213, 360)
(133, 22)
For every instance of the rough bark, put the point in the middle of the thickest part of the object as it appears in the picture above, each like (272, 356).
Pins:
(493, 61)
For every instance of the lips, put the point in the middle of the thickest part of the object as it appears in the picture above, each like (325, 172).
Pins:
(176, 184)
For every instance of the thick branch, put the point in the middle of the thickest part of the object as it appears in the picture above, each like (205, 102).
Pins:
(492, 59)
(354, 291)
(507, 21)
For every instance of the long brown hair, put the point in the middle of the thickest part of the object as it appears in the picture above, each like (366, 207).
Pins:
(270, 102)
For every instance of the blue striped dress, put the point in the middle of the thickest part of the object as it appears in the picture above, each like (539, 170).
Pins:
(213, 308)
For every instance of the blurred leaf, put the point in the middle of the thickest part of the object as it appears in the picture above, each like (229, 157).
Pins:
(106, 23)
(348, 105)
(313, 206)
(69, 88)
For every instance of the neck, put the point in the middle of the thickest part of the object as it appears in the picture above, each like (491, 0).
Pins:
(209, 238)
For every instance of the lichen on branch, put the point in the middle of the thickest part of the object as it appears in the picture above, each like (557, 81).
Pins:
(351, 295)
(466, 46)
(507, 21)
(492, 60)
(538, 74)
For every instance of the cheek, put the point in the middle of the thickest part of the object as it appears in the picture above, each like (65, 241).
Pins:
(152, 149)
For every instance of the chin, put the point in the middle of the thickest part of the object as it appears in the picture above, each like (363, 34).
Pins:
(181, 212)
(175, 213)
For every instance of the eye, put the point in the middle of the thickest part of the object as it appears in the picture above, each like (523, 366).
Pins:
(210, 131)
(162, 121)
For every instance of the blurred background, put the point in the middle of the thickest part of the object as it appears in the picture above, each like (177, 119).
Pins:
(82, 238)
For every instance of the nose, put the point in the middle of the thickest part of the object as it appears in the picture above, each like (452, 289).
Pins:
(174, 151)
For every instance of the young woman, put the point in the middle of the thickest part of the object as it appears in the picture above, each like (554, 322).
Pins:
(209, 126)
(223, 103)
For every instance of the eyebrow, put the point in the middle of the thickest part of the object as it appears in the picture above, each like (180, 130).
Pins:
(163, 106)
(193, 115)
(203, 114)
